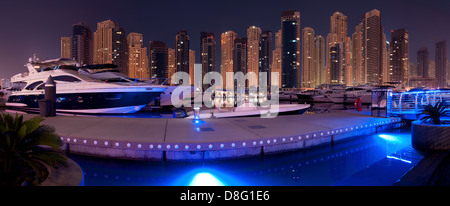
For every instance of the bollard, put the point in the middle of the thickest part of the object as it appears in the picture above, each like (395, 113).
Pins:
(50, 96)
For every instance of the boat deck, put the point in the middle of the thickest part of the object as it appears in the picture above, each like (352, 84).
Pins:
(187, 139)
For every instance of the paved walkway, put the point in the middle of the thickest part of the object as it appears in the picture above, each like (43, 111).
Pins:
(161, 134)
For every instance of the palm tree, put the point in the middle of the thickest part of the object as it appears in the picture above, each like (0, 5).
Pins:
(27, 149)
(433, 113)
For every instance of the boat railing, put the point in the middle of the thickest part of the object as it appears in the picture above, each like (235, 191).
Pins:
(413, 103)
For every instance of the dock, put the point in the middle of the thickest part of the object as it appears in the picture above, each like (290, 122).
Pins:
(171, 139)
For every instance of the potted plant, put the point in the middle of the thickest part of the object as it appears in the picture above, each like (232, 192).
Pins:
(431, 133)
(27, 150)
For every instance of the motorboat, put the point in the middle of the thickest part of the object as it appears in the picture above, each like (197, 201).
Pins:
(77, 92)
(331, 94)
(353, 93)
(287, 96)
(249, 109)
(308, 95)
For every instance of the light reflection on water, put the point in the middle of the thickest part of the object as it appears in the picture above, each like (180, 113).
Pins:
(316, 166)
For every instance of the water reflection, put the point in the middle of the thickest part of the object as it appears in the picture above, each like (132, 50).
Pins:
(318, 166)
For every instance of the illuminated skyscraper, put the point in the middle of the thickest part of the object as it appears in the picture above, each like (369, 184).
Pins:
(372, 44)
(338, 26)
(265, 55)
(290, 50)
(356, 60)
(276, 62)
(240, 55)
(253, 37)
(103, 42)
(182, 52)
(308, 58)
(110, 45)
(227, 45)
(171, 65)
(191, 66)
(319, 60)
(441, 63)
(66, 43)
(337, 35)
(207, 52)
(159, 60)
(398, 57)
(82, 44)
(138, 60)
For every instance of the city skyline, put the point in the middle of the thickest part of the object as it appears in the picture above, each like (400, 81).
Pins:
(13, 56)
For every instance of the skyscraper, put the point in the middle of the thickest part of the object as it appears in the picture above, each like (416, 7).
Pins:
(308, 58)
(398, 57)
(290, 50)
(319, 60)
(110, 45)
(103, 42)
(82, 44)
(253, 37)
(356, 59)
(372, 57)
(66, 43)
(335, 69)
(120, 49)
(276, 63)
(338, 34)
(207, 52)
(191, 66)
(338, 26)
(138, 60)
(171, 65)
(422, 62)
(182, 52)
(240, 55)
(227, 45)
(441, 63)
(265, 55)
(159, 60)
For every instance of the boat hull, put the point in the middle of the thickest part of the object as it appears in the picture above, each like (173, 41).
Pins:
(87, 103)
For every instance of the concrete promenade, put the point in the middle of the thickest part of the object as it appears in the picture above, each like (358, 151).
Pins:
(183, 139)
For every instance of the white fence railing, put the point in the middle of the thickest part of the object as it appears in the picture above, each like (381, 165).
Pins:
(412, 103)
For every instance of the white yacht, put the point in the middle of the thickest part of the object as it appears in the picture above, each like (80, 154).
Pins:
(330, 95)
(77, 92)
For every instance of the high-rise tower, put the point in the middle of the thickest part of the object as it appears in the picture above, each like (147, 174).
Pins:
(398, 57)
(290, 50)
(82, 44)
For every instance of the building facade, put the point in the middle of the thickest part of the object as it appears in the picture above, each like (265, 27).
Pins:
(182, 52)
(159, 60)
(253, 38)
(372, 44)
(137, 54)
(66, 46)
(265, 56)
(290, 49)
(207, 52)
(308, 58)
(227, 47)
(110, 45)
(82, 44)
(399, 56)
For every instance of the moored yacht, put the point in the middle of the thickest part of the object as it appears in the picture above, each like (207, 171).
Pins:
(75, 91)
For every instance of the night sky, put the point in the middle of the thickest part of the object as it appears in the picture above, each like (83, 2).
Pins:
(29, 27)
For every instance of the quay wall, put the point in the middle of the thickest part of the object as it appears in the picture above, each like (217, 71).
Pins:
(221, 150)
